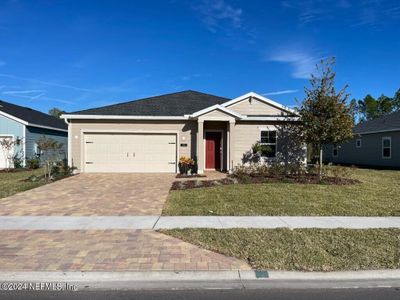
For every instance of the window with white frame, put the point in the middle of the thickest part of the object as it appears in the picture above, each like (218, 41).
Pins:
(358, 143)
(386, 147)
(335, 151)
(268, 143)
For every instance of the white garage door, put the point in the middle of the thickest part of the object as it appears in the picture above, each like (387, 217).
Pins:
(130, 152)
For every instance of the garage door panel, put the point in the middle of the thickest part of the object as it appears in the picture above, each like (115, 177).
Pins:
(130, 153)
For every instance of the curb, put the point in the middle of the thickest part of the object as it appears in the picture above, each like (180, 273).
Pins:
(235, 279)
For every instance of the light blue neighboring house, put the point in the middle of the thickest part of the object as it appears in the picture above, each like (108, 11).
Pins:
(25, 126)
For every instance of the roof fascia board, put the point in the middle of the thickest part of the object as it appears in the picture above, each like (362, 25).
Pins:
(258, 97)
(216, 107)
(13, 118)
(47, 127)
(377, 131)
(111, 117)
(283, 118)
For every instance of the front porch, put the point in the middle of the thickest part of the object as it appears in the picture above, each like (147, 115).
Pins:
(214, 145)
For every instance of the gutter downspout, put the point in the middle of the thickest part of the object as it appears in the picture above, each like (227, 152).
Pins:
(69, 143)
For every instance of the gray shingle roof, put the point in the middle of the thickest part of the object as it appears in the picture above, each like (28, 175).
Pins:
(176, 104)
(32, 116)
(388, 122)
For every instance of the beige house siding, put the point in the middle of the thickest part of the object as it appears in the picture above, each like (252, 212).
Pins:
(246, 134)
(186, 133)
(216, 115)
(254, 107)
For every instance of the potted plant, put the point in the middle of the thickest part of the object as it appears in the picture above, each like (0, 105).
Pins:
(185, 164)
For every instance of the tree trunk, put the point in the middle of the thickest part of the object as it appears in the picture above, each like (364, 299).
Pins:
(320, 164)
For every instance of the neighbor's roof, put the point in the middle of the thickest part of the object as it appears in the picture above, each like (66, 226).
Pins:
(31, 116)
(389, 122)
(176, 104)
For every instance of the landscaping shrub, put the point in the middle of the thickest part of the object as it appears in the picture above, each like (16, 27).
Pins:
(33, 163)
(18, 162)
(61, 169)
(337, 171)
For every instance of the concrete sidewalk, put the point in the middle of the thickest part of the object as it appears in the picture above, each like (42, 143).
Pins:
(235, 279)
(170, 222)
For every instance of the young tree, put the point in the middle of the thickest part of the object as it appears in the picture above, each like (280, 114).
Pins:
(51, 150)
(326, 117)
(292, 152)
(56, 112)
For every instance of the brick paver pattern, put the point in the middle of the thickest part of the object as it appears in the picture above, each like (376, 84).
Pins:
(105, 250)
(93, 194)
(101, 250)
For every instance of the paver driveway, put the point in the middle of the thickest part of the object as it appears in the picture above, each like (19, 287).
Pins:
(105, 250)
(100, 250)
(93, 194)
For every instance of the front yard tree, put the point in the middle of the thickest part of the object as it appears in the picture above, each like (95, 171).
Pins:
(50, 150)
(326, 117)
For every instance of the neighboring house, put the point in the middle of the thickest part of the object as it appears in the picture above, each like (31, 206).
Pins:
(376, 143)
(149, 135)
(25, 126)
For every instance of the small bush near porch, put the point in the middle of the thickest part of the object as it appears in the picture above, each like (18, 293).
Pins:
(377, 194)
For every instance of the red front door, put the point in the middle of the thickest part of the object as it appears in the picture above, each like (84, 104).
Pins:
(213, 150)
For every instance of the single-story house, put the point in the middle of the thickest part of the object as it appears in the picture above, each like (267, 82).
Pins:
(150, 135)
(375, 143)
(25, 126)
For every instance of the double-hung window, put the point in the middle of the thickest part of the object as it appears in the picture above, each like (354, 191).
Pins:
(358, 143)
(386, 147)
(268, 143)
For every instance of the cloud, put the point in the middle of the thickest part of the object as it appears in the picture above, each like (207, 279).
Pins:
(280, 92)
(217, 13)
(45, 82)
(28, 94)
(368, 13)
(303, 64)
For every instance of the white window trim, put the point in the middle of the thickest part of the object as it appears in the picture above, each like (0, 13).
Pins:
(387, 138)
(270, 144)
(357, 143)
(333, 151)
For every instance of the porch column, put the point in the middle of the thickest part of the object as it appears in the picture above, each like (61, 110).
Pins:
(231, 145)
(200, 146)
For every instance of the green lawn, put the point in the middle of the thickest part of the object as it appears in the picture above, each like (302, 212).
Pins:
(13, 182)
(377, 195)
(302, 249)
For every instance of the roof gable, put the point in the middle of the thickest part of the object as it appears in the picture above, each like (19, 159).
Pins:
(217, 110)
(271, 106)
(31, 117)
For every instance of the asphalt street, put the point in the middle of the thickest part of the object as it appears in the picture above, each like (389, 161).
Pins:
(257, 294)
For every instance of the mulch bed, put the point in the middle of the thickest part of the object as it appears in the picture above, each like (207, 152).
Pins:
(14, 170)
(305, 179)
(190, 176)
